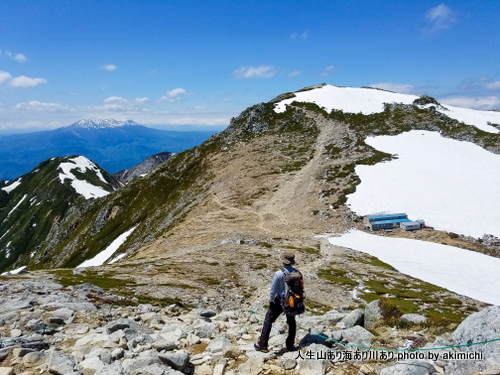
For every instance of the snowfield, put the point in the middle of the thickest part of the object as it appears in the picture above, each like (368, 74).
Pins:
(104, 255)
(12, 186)
(462, 271)
(84, 188)
(368, 101)
(452, 185)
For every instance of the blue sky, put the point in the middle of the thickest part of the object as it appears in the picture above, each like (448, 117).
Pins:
(195, 64)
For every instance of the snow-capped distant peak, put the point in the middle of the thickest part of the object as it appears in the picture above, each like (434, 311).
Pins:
(95, 123)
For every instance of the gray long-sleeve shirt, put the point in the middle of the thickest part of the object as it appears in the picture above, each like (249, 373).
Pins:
(278, 285)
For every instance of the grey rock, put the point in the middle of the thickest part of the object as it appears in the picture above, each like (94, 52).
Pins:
(252, 366)
(92, 363)
(162, 344)
(409, 368)
(207, 313)
(373, 313)
(21, 352)
(33, 359)
(36, 345)
(413, 318)
(357, 335)
(135, 364)
(481, 326)
(4, 352)
(204, 332)
(316, 365)
(288, 360)
(103, 354)
(352, 319)
(177, 361)
(115, 368)
(145, 307)
(63, 313)
(60, 363)
(7, 304)
(117, 353)
(90, 288)
(152, 318)
(116, 325)
(222, 346)
(35, 324)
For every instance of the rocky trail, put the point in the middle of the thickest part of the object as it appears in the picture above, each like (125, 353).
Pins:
(46, 328)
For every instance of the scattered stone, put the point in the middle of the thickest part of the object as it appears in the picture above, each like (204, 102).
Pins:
(207, 313)
(253, 366)
(60, 363)
(6, 370)
(373, 313)
(409, 368)
(413, 318)
(288, 360)
(177, 361)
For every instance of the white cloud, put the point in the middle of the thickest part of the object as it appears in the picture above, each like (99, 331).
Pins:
(36, 106)
(4, 77)
(300, 36)
(19, 57)
(396, 87)
(294, 73)
(109, 68)
(328, 70)
(173, 95)
(440, 18)
(263, 71)
(23, 81)
(493, 85)
(119, 104)
(484, 103)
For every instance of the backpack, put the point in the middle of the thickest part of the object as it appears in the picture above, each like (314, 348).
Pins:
(292, 300)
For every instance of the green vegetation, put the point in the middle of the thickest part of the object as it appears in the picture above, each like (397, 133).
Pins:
(106, 281)
(336, 276)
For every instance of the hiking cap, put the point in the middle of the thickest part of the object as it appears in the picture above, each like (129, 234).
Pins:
(288, 257)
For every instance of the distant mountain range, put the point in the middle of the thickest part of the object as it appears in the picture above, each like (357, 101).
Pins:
(114, 145)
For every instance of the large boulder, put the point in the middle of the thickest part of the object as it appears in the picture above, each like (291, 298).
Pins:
(373, 313)
(60, 363)
(478, 327)
(354, 318)
(357, 335)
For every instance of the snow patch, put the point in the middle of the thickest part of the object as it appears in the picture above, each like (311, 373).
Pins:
(369, 101)
(119, 257)
(14, 272)
(84, 188)
(462, 271)
(17, 205)
(104, 255)
(12, 186)
(452, 185)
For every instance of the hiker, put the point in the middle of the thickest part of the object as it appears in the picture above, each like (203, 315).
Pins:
(279, 302)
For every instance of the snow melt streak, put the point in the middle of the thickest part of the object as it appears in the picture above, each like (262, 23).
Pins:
(12, 186)
(452, 185)
(462, 271)
(104, 255)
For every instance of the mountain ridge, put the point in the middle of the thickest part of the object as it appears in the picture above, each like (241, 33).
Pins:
(114, 147)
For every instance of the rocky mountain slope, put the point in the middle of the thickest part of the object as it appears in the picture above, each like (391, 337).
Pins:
(114, 145)
(211, 221)
(140, 170)
(32, 205)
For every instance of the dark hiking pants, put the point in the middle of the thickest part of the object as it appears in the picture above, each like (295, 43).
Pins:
(272, 314)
